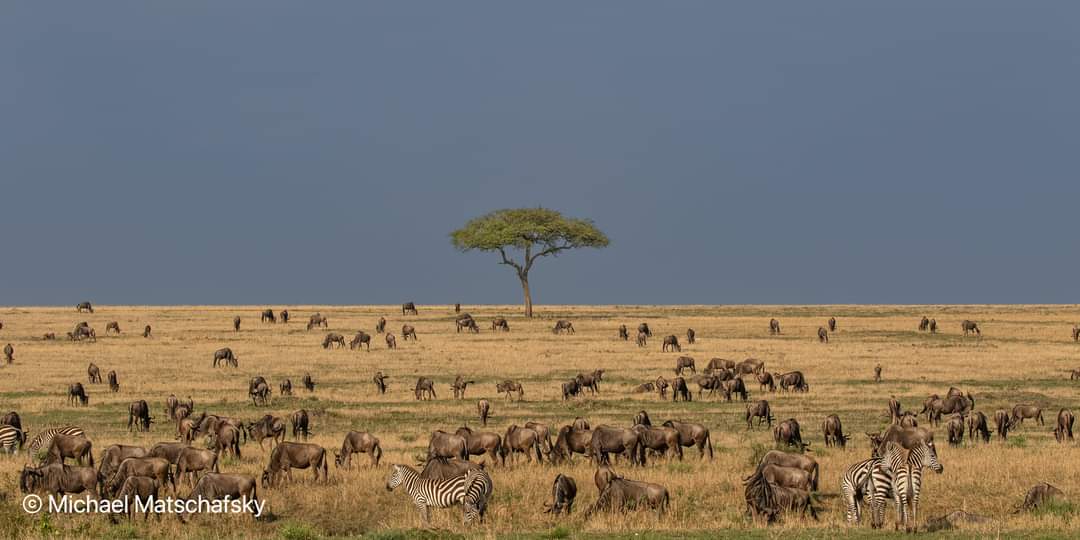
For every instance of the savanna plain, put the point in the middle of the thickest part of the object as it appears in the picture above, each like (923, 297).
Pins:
(1023, 356)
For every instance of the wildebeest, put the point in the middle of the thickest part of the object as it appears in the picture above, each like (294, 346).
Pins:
(308, 382)
(317, 320)
(933, 326)
(459, 386)
(225, 356)
(58, 479)
(563, 492)
(482, 443)
(924, 324)
(563, 326)
(1022, 412)
(300, 424)
(955, 429)
(93, 373)
(358, 442)
(333, 338)
(391, 341)
(236, 323)
(509, 387)
(684, 362)
(969, 327)
(834, 431)
(425, 388)
(788, 433)
(408, 307)
(483, 408)
(500, 323)
(611, 440)
(139, 416)
(1064, 427)
(679, 389)
(84, 306)
(359, 340)
(690, 335)
(380, 326)
(691, 434)
(76, 447)
(759, 410)
(380, 382)
(624, 332)
(822, 335)
(408, 332)
(268, 315)
(792, 380)
(671, 342)
(977, 423)
(290, 455)
(621, 494)
(112, 326)
(77, 395)
(447, 445)
(192, 461)
(285, 388)
(774, 327)
(590, 380)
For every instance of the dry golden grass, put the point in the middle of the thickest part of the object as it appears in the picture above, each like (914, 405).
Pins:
(1023, 356)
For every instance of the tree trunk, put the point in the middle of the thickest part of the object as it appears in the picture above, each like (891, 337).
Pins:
(528, 295)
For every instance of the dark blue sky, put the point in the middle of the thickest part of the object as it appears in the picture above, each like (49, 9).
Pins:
(270, 152)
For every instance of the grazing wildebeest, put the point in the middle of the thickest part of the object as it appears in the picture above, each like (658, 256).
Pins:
(684, 362)
(977, 423)
(391, 341)
(333, 338)
(425, 388)
(480, 443)
(308, 382)
(924, 324)
(671, 342)
(9, 353)
(317, 319)
(359, 340)
(1022, 412)
(759, 410)
(225, 356)
(822, 335)
(290, 455)
(447, 445)
(955, 429)
(93, 373)
(285, 316)
(563, 326)
(834, 431)
(285, 388)
(300, 424)
(268, 315)
(139, 416)
(590, 380)
(380, 326)
(661, 387)
(570, 389)
(788, 433)
(112, 326)
(621, 494)
(483, 407)
(793, 380)
(642, 339)
(1064, 428)
(192, 461)
(84, 306)
(970, 326)
(380, 382)
(358, 442)
(693, 435)
(59, 479)
(466, 322)
(236, 323)
(267, 427)
(408, 332)
(679, 389)
(611, 440)
(508, 387)
(563, 493)
(933, 326)
(77, 395)
(76, 447)
(774, 327)
(624, 332)
(459, 386)
(146, 331)
(500, 323)
(408, 307)
(690, 335)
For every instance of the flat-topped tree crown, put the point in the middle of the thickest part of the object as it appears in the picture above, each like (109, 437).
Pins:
(532, 233)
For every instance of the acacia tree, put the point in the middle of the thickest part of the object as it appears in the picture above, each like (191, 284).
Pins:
(529, 233)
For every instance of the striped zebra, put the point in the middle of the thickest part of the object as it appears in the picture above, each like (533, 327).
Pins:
(906, 467)
(867, 481)
(12, 439)
(470, 490)
(44, 440)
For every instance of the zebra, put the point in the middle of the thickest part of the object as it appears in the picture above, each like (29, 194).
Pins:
(867, 480)
(906, 467)
(471, 490)
(44, 439)
(12, 439)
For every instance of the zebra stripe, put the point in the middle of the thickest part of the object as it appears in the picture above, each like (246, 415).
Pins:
(906, 469)
(44, 439)
(867, 481)
(11, 439)
(470, 490)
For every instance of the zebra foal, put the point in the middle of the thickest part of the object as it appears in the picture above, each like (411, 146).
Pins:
(470, 490)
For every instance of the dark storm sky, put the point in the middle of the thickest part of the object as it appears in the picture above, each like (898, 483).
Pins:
(271, 152)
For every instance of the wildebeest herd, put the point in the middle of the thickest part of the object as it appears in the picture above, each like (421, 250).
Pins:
(462, 464)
